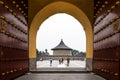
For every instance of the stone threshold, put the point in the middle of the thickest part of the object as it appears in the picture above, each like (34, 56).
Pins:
(60, 70)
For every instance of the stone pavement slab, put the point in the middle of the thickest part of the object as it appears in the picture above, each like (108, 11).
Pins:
(60, 70)
(60, 76)
(55, 64)
(75, 71)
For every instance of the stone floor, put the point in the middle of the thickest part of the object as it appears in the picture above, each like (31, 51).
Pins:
(55, 64)
(45, 71)
(60, 76)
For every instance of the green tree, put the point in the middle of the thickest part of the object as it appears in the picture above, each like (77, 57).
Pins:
(37, 52)
(78, 53)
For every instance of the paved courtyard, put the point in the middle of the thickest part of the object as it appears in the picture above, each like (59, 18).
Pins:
(75, 65)
(60, 76)
(55, 64)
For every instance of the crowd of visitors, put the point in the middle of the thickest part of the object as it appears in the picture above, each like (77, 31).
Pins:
(61, 61)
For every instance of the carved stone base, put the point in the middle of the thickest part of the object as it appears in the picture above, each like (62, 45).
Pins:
(32, 64)
(89, 64)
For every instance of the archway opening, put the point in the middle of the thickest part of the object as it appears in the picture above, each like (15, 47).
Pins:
(51, 9)
(52, 30)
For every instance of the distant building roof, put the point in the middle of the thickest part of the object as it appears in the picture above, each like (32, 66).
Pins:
(61, 46)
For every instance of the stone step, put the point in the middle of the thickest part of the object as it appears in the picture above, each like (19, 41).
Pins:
(60, 70)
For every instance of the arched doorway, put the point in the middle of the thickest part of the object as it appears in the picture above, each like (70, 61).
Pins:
(51, 9)
(65, 29)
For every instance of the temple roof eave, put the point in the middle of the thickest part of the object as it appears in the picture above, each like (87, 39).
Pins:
(61, 46)
(61, 49)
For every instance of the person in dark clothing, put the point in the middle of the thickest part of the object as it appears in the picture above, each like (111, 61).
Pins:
(62, 60)
(50, 61)
(59, 60)
(68, 61)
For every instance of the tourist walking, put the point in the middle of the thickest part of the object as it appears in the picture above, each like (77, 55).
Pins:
(59, 60)
(62, 60)
(50, 61)
(68, 61)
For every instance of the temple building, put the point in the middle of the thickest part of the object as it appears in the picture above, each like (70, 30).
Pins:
(61, 49)
(21, 19)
